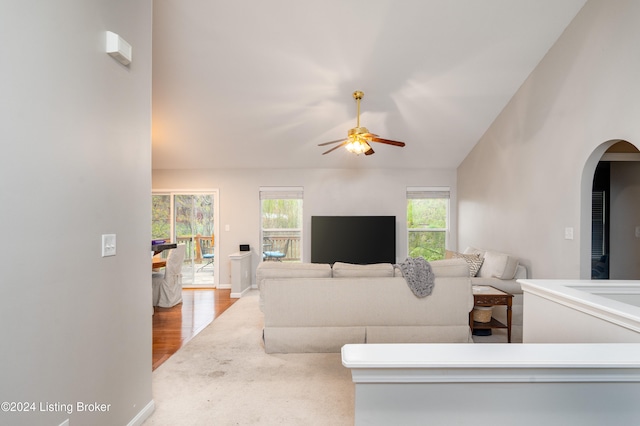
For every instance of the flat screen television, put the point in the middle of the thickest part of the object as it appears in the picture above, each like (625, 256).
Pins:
(353, 239)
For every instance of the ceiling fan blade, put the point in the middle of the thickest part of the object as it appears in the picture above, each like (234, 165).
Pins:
(335, 147)
(369, 135)
(369, 151)
(388, 142)
(329, 143)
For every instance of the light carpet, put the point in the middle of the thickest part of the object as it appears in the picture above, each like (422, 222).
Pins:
(498, 336)
(224, 377)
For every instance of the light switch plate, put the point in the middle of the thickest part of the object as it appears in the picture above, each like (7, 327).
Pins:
(568, 233)
(108, 245)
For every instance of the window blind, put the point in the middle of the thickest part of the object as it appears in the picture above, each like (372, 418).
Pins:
(281, 192)
(415, 193)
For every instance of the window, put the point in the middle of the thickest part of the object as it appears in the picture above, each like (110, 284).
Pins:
(427, 222)
(281, 223)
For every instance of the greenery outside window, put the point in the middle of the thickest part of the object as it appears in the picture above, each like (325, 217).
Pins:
(281, 223)
(428, 222)
(161, 217)
(188, 218)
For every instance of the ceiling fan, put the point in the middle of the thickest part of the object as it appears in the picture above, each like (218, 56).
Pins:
(358, 139)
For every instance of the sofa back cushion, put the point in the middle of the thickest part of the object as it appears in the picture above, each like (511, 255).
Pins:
(269, 270)
(350, 270)
(495, 264)
(450, 268)
(292, 270)
(443, 268)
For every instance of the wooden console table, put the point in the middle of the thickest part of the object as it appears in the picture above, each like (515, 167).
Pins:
(486, 295)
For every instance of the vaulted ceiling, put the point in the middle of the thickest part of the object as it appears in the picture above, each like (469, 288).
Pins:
(252, 83)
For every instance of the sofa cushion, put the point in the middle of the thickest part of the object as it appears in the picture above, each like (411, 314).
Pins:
(474, 261)
(292, 270)
(498, 265)
(473, 250)
(510, 286)
(450, 268)
(268, 270)
(350, 270)
(381, 301)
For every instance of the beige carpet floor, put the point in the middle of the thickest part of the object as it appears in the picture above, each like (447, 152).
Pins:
(500, 336)
(224, 377)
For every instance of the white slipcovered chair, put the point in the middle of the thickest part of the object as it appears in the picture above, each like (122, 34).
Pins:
(167, 286)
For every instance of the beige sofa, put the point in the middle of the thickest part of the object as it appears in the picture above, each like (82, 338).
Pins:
(501, 271)
(316, 308)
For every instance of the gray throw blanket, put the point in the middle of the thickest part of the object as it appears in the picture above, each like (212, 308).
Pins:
(418, 274)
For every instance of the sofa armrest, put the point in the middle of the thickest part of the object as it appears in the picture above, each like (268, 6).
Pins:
(521, 272)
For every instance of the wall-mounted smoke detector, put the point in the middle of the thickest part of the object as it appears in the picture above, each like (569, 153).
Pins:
(118, 48)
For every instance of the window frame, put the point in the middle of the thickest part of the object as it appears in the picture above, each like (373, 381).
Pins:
(282, 193)
(431, 192)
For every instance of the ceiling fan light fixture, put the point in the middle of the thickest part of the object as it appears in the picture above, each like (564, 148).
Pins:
(359, 138)
(357, 146)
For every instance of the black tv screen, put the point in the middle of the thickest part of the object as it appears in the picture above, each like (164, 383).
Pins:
(353, 239)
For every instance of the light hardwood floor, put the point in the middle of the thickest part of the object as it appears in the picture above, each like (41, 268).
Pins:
(173, 327)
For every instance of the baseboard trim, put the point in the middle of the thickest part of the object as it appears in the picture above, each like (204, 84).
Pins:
(224, 286)
(239, 295)
(143, 415)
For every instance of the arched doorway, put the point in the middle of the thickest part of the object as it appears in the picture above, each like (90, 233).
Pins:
(610, 224)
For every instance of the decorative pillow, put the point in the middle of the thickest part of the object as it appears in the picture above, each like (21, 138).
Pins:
(499, 265)
(474, 261)
(350, 270)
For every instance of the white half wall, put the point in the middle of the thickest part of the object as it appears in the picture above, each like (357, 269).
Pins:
(467, 384)
(519, 189)
(326, 192)
(581, 311)
(75, 164)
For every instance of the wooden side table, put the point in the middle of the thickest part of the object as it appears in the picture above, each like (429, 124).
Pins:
(486, 295)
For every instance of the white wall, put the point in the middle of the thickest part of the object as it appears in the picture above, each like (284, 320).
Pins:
(75, 164)
(521, 185)
(326, 192)
(625, 206)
